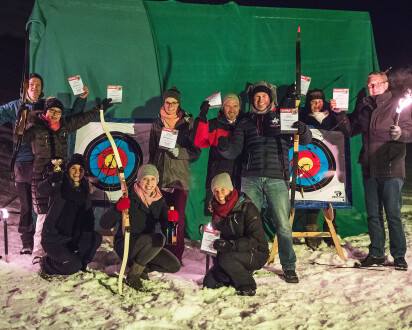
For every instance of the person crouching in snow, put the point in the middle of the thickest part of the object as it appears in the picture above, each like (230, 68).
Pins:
(68, 236)
(242, 246)
(147, 207)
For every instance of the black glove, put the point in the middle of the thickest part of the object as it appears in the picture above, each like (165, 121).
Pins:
(56, 177)
(204, 108)
(223, 143)
(291, 90)
(106, 104)
(221, 245)
(300, 126)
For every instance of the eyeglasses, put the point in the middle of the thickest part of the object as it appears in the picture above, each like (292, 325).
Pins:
(379, 84)
(55, 112)
(171, 103)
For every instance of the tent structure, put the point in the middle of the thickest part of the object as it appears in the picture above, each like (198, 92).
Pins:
(149, 46)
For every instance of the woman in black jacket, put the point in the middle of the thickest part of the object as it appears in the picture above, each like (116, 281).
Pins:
(68, 236)
(242, 246)
(147, 208)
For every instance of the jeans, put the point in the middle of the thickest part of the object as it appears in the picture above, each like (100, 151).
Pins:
(386, 193)
(277, 196)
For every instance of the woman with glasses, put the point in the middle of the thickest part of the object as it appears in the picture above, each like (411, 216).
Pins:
(171, 151)
(48, 133)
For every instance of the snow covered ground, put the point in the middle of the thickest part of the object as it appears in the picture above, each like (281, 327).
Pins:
(325, 297)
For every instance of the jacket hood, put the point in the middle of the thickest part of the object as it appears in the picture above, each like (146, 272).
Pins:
(273, 96)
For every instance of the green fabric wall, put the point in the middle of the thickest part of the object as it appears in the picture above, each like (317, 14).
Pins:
(201, 49)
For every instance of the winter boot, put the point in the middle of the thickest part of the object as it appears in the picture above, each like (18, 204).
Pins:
(42, 273)
(371, 261)
(133, 277)
(312, 242)
(400, 263)
(291, 276)
(27, 248)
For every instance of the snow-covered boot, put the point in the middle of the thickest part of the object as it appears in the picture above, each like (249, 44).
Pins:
(27, 248)
(133, 277)
(312, 242)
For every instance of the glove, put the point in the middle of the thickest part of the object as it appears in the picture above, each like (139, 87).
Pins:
(56, 177)
(290, 91)
(223, 143)
(123, 204)
(204, 108)
(300, 126)
(396, 132)
(221, 245)
(174, 152)
(106, 104)
(172, 215)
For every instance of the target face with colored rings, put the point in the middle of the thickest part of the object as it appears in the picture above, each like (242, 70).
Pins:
(101, 163)
(316, 166)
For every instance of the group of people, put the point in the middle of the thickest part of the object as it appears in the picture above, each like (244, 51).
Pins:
(248, 165)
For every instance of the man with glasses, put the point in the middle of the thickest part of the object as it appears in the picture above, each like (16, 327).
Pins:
(382, 158)
(23, 167)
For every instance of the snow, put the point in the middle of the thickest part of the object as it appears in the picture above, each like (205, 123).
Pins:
(325, 297)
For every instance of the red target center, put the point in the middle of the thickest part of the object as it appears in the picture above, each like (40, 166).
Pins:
(107, 161)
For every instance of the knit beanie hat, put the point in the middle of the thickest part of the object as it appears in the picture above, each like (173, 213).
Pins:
(172, 92)
(315, 94)
(52, 102)
(147, 169)
(231, 96)
(262, 87)
(76, 159)
(222, 180)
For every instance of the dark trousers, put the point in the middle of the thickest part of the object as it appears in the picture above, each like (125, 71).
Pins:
(26, 227)
(234, 268)
(178, 199)
(61, 259)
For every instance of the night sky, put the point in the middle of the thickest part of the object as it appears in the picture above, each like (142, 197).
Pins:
(390, 21)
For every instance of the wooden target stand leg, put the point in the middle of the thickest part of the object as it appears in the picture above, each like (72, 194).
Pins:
(328, 214)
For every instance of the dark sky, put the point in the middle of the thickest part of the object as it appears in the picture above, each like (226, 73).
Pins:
(390, 21)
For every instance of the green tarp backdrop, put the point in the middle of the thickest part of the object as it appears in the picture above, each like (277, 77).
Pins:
(149, 46)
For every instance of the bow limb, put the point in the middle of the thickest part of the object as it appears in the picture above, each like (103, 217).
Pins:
(125, 193)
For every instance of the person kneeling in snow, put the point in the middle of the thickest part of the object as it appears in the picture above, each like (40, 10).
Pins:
(68, 236)
(242, 246)
(147, 207)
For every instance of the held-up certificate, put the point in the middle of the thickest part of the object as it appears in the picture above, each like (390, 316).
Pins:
(115, 93)
(287, 118)
(209, 236)
(304, 84)
(215, 100)
(341, 95)
(76, 84)
(168, 138)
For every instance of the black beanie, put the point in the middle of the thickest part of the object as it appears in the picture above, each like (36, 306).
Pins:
(76, 159)
(315, 94)
(261, 89)
(172, 92)
(36, 75)
(52, 102)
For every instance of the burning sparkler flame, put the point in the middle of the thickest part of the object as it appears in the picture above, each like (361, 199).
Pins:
(405, 101)
(5, 214)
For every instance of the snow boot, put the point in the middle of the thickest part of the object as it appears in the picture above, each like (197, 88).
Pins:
(133, 277)
(246, 291)
(400, 263)
(42, 272)
(291, 276)
(312, 242)
(27, 248)
(371, 261)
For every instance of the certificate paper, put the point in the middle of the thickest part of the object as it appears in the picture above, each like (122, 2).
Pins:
(341, 95)
(115, 93)
(209, 236)
(215, 100)
(287, 118)
(304, 84)
(76, 84)
(168, 138)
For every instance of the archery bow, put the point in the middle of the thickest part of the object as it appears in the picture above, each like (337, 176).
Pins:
(125, 194)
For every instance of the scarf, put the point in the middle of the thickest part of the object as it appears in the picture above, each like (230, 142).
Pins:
(170, 120)
(52, 125)
(320, 116)
(221, 210)
(145, 198)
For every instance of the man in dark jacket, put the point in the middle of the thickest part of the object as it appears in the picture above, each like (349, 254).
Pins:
(265, 164)
(207, 133)
(382, 158)
(23, 167)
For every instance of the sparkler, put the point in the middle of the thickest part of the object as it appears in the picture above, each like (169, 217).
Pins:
(402, 104)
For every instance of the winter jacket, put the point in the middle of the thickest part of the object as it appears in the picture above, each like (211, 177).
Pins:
(243, 226)
(174, 172)
(381, 156)
(69, 213)
(265, 149)
(47, 144)
(334, 121)
(207, 135)
(143, 219)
